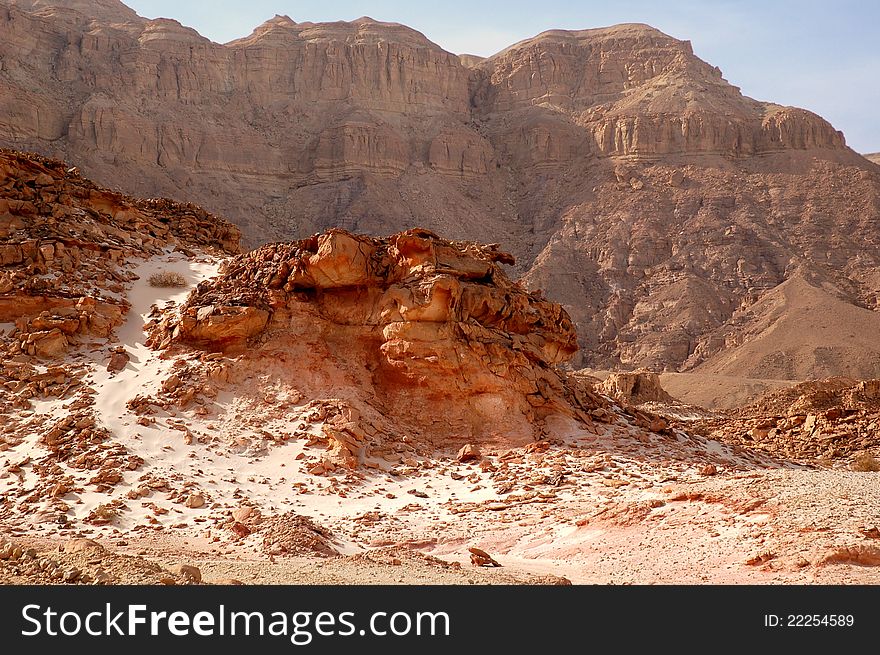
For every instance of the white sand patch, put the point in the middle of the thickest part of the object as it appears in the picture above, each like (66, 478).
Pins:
(144, 371)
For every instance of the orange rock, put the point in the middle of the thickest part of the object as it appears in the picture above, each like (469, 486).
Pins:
(468, 453)
(437, 323)
(480, 557)
(50, 344)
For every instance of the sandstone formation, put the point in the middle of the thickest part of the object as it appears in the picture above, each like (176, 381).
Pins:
(874, 157)
(415, 332)
(633, 183)
(635, 388)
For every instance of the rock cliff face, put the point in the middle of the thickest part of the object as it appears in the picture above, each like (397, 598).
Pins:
(630, 180)
(632, 90)
(415, 332)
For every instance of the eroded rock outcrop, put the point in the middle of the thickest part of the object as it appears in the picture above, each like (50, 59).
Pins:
(635, 388)
(413, 334)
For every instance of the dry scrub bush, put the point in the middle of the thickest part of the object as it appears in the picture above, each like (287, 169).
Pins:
(865, 463)
(167, 279)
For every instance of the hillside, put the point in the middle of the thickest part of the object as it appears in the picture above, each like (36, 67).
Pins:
(800, 332)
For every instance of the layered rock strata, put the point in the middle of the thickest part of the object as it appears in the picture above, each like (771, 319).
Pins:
(414, 334)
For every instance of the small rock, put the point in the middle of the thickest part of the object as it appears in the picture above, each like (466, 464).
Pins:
(187, 571)
(81, 545)
(118, 361)
(194, 501)
(555, 580)
(468, 453)
(171, 383)
(242, 513)
(102, 577)
(481, 558)
(241, 529)
(71, 575)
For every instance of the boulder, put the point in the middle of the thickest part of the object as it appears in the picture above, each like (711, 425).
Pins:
(50, 344)
(468, 453)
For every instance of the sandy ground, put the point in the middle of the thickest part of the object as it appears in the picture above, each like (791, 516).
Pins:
(607, 507)
(718, 391)
(705, 532)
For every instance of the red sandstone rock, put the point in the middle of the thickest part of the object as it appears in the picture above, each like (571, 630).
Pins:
(413, 324)
(468, 453)
(481, 558)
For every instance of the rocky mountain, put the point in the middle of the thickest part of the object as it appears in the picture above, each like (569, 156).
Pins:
(350, 409)
(630, 181)
(874, 157)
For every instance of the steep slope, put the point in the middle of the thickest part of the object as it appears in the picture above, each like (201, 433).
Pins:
(63, 243)
(629, 179)
(799, 332)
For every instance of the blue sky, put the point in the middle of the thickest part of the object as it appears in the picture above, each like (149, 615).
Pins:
(823, 56)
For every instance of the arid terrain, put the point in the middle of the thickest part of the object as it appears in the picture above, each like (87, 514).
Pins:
(360, 409)
(579, 312)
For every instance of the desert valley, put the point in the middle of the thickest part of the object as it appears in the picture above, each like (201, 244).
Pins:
(330, 304)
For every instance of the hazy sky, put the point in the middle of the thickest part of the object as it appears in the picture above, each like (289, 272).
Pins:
(820, 55)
